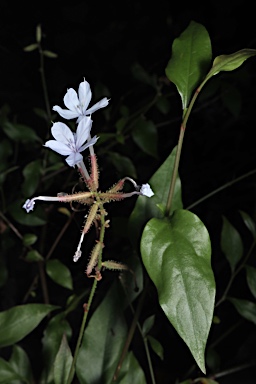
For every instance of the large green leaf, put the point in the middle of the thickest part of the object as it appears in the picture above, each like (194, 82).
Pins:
(21, 364)
(59, 273)
(231, 243)
(57, 327)
(177, 257)
(103, 341)
(146, 208)
(62, 363)
(19, 321)
(190, 61)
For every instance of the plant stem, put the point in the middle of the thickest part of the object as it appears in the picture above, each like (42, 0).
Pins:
(81, 332)
(178, 152)
(224, 186)
(88, 305)
(44, 85)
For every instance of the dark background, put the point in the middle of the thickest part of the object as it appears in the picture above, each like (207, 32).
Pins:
(100, 41)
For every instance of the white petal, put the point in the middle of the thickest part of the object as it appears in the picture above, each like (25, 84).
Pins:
(101, 104)
(146, 190)
(62, 133)
(83, 131)
(58, 147)
(89, 143)
(71, 100)
(29, 205)
(66, 113)
(74, 159)
(85, 94)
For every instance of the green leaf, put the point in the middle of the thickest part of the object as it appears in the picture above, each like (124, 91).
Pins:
(21, 364)
(145, 136)
(50, 54)
(19, 321)
(251, 279)
(249, 222)
(32, 175)
(177, 257)
(8, 374)
(123, 165)
(20, 132)
(230, 62)
(190, 61)
(103, 340)
(146, 208)
(38, 33)
(62, 363)
(29, 239)
(30, 47)
(231, 243)
(131, 371)
(33, 256)
(139, 73)
(59, 273)
(245, 308)
(156, 346)
(22, 217)
(57, 327)
(148, 324)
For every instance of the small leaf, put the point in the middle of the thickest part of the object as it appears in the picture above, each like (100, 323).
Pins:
(32, 175)
(38, 33)
(123, 164)
(230, 62)
(251, 279)
(31, 47)
(50, 54)
(148, 324)
(231, 243)
(163, 105)
(183, 275)
(191, 57)
(20, 132)
(33, 256)
(62, 363)
(249, 222)
(19, 321)
(156, 346)
(145, 136)
(139, 73)
(29, 239)
(245, 308)
(59, 273)
(131, 371)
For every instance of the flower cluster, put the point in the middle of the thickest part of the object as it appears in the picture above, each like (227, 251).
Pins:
(71, 144)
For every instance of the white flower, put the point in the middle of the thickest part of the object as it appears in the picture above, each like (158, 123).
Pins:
(29, 205)
(70, 144)
(77, 103)
(146, 190)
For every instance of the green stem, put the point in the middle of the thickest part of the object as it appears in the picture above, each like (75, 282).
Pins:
(178, 152)
(88, 305)
(81, 332)
(44, 85)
